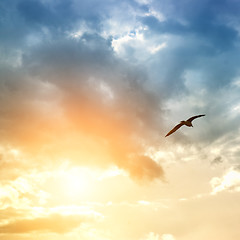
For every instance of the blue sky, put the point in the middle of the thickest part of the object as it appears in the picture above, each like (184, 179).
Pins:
(95, 86)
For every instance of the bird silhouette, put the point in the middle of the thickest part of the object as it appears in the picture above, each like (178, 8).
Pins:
(186, 123)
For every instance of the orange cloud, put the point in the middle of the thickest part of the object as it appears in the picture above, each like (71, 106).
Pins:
(54, 223)
(87, 109)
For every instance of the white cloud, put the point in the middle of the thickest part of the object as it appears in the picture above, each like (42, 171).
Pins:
(230, 181)
(156, 14)
(157, 48)
(142, 202)
(155, 236)
(167, 237)
(151, 236)
(236, 82)
(143, 1)
(132, 37)
(111, 172)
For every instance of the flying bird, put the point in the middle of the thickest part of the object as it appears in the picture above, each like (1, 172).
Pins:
(186, 123)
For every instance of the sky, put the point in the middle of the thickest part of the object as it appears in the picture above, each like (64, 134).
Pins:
(88, 91)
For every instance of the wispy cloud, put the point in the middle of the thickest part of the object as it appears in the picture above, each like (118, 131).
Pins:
(54, 223)
(155, 236)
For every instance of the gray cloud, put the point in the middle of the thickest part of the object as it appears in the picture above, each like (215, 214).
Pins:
(217, 160)
(75, 89)
(237, 168)
(203, 40)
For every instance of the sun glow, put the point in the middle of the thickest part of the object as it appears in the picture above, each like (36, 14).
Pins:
(15, 152)
(74, 182)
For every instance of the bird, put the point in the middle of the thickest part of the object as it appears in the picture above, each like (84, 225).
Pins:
(186, 123)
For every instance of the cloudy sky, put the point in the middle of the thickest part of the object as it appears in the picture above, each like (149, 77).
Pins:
(88, 91)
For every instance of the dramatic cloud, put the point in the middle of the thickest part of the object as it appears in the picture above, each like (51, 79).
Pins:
(88, 91)
(74, 94)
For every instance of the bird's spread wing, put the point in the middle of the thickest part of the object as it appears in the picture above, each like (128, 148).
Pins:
(174, 129)
(192, 118)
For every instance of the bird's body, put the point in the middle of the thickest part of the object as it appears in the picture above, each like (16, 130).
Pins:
(187, 123)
